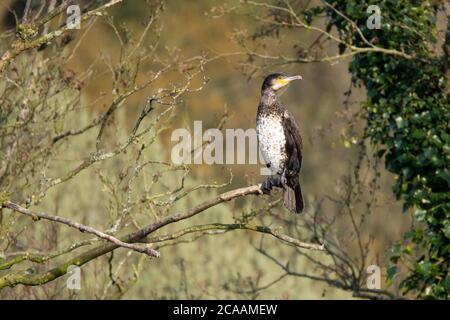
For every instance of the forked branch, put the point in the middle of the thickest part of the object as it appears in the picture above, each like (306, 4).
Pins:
(83, 228)
(26, 278)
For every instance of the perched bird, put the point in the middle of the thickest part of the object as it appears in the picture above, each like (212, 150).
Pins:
(280, 142)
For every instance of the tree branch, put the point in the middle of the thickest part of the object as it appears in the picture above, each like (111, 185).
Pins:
(26, 42)
(239, 226)
(83, 228)
(23, 277)
(39, 257)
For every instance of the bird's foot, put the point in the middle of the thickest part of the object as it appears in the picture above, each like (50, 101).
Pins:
(266, 186)
(269, 183)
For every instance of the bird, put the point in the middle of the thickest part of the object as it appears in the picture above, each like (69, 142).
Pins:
(280, 142)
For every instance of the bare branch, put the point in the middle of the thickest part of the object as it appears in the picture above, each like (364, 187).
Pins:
(20, 277)
(40, 215)
(20, 45)
(240, 226)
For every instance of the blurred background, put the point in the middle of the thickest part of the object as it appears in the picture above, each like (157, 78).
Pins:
(226, 265)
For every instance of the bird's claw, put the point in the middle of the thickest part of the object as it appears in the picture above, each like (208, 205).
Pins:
(267, 186)
(269, 183)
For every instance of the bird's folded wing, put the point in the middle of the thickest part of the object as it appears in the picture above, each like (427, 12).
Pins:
(293, 143)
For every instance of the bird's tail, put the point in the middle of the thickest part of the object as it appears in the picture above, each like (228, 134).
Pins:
(293, 198)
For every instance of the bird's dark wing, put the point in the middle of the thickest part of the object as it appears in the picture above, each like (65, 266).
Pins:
(293, 145)
(292, 193)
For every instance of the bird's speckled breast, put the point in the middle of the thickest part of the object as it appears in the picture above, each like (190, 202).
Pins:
(271, 141)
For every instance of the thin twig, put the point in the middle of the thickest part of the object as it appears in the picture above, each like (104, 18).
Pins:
(19, 277)
(239, 226)
(83, 228)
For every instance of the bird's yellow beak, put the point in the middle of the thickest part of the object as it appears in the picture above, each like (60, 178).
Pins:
(284, 81)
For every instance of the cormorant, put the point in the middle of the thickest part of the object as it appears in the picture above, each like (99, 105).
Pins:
(280, 142)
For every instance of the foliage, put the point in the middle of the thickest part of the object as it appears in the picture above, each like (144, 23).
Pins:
(408, 112)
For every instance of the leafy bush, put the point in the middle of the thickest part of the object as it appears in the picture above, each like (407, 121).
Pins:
(408, 112)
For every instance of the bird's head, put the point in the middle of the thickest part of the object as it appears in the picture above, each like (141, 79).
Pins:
(276, 81)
